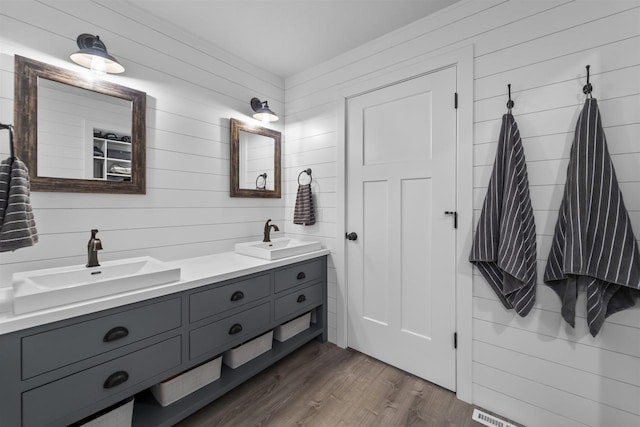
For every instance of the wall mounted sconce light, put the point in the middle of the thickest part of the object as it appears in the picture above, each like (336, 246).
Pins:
(262, 111)
(93, 54)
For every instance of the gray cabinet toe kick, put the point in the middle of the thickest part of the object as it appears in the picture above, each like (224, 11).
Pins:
(59, 373)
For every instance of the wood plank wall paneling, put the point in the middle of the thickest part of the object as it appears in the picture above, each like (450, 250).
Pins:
(537, 371)
(191, 94)
(539, 47)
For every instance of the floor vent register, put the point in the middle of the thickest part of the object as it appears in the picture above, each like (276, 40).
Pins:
(489, 420)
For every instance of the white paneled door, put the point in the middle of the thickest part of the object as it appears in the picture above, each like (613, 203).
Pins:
(401, 171)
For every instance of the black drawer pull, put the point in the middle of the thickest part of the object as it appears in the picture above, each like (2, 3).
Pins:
(301, 275)
(302, 298)
(235, 329)
(115, 379)
(116, 333)
(237, 296)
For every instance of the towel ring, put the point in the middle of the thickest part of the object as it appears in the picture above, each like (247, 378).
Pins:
(264, 181)
(10, 129)
(308, 172)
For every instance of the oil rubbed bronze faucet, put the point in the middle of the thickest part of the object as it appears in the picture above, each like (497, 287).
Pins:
(267, 230)
(93, 247)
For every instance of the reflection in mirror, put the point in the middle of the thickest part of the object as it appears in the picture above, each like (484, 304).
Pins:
(255, 161)
(257, 153)
(82, 134)
(77, 133)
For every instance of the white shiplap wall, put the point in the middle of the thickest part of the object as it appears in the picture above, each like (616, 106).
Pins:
(191, 94)
(536, 370)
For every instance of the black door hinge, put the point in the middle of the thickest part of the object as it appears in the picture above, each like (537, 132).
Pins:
(455, 340)
(455, 100)
(455, 217)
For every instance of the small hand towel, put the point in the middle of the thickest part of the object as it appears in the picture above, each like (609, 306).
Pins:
(17, 225)
(304, 212)
(504, 247)
(593, 246)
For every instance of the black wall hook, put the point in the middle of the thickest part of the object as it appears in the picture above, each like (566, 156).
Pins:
(510, 102)
(588, 88)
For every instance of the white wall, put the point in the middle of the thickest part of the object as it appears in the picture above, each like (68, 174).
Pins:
(536, 370)
(191, 95)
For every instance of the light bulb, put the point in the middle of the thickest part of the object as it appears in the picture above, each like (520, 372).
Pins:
(98, 66)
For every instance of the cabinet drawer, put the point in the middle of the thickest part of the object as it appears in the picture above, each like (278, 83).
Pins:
(216, 336)
(47, 404)
(214, 301)
(308, 297)
(298, 274)
(53, 349)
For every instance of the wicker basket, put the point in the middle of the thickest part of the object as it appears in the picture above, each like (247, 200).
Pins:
(186, 383)
(247, 351)
(118, 416)
(293, 327)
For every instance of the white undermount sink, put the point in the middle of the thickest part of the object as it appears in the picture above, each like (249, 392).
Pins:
(277, 248)
(41, 289)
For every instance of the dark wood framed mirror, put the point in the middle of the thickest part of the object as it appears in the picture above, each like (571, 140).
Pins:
(255, 161)
(78, 133)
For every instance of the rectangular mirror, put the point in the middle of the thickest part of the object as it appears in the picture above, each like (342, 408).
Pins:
(79, 134)
(255, 161)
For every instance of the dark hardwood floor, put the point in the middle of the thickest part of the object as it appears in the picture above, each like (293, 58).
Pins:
(323, 385)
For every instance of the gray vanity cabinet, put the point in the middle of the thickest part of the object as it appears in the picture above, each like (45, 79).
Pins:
(58, 373)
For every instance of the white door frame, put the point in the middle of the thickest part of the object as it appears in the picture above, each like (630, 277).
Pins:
(462, 58)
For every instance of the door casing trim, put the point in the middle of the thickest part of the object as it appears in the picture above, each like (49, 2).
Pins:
(462, 59)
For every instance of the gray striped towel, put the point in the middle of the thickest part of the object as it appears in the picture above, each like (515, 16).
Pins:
(17, 226)
(303, 212)
(504, 247)
(593, 245)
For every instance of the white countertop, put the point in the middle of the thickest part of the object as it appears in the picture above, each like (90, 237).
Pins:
(195, 272)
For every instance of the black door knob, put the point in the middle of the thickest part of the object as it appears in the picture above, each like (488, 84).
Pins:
(351, 236)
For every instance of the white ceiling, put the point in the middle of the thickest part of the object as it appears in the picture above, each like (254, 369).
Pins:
(287, 36)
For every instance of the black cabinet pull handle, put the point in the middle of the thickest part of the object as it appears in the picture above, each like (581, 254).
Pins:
(301, 275)
(302, 298)
(115, 379)
(235, 329)
(237, 296)
(116, 333)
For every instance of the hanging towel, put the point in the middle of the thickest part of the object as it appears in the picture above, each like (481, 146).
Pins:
(17, 226)
(504, 247)
(303, 212)
(593, 245)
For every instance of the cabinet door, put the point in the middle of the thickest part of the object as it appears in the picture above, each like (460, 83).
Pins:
(297, 302)
(217, 300)
(221, 335)
(298, 274)
(53, 349)
(49, 404)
